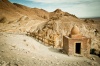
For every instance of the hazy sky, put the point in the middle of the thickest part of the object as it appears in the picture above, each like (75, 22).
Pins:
(80, 8)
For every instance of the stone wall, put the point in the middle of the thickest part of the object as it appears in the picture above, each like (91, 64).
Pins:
(69, 46)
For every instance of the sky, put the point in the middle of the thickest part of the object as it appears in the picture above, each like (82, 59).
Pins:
(80, 8)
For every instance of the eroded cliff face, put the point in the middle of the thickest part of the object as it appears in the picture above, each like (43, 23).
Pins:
(48, 27)
(53, 31)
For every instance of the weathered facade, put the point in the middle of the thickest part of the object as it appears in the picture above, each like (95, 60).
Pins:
(76, 43)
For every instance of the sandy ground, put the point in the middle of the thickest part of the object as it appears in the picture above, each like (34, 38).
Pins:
(22, 50)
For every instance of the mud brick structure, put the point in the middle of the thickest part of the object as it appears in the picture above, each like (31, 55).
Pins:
(76, 43)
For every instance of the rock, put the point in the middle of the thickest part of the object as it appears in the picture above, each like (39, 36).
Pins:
(4, 63)
(91, 63)
(51, 62)
(2, 50)
(76, 63)
(92, 58)
(57, 63)
(13, 46)
(94, 63)
(16, 64)
(34, 62)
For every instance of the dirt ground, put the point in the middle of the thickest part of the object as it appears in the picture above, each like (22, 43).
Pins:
(22, 50)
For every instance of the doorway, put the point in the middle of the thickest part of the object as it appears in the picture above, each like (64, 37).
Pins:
(78, 48)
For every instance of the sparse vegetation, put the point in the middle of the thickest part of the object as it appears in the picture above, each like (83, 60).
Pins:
(3, 20)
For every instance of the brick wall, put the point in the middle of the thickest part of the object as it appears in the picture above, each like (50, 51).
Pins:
(69, 45)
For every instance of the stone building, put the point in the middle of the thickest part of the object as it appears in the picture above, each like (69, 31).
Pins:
(76, 43)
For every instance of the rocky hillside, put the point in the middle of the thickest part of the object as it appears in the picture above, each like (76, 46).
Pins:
(13, 11)
(19, 18)
(49, 27)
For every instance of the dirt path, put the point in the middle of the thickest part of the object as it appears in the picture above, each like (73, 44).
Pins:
(21, 50)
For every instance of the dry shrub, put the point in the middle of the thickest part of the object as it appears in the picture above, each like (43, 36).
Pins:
(3, 20)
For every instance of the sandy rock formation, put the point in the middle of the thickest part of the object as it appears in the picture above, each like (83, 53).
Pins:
(48, 27)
